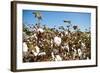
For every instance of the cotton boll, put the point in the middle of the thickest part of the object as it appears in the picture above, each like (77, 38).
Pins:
(57, 40)
(75, 38)
(36, 50)
(58, 58)
(74, 53)
(25, 48)
(35, 36)
(87, 58)
(83, 45)
(52, 54)
(67, 47)
(79, 41)
(62, 35)
(79, 52)
(40, 30)
(84, 55)
(35, 53)
(66, 32)
(42, 53)
(51, 43)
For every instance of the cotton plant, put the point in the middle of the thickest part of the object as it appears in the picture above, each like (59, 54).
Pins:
(83, 45)
(74, 53)
(25, 48)
(80, 53)
(58, 58)
(66, 47)
(42, 53)
(36, 50)
(66, 32)
(40, 30)
(57, 40)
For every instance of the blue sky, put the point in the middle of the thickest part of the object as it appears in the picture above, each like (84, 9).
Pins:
(53, 18)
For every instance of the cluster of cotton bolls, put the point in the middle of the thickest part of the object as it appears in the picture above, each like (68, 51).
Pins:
(54, 45)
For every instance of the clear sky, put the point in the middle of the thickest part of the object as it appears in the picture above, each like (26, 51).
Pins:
(53, 18)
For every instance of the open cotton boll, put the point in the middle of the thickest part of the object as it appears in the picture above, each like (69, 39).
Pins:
(25, 48)
(52, 54)
(35, 53)
(66, 47)
(36, 50)
(66, 32)
(40, 30)
(79, 52)
(34, 36)
(58, 58)
(87, 58)
(57, 40)
(75, 53)
(82, 45)
(42, 53)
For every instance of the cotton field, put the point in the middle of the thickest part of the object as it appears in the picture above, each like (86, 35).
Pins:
(43, 43)
(54, 45)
